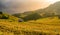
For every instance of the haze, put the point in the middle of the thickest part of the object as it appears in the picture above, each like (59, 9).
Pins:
(20, 6)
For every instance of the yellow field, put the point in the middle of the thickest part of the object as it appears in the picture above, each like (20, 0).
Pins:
(45, 26)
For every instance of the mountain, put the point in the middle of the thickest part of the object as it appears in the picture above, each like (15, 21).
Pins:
(52, 10)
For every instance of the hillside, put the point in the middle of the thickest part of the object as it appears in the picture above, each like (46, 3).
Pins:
(43, 26)
(52, 10)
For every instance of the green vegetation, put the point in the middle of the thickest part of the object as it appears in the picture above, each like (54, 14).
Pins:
(7, 17)
(33, 16)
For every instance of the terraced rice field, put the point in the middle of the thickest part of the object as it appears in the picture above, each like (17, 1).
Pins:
(38, 27)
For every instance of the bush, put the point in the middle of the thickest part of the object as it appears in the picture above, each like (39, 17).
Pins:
(4, 17)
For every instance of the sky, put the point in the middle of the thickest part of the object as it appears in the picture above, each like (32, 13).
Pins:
(20, 6)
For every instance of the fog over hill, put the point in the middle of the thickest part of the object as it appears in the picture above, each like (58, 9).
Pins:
(53, 8)
(18, 6)
(50, 11)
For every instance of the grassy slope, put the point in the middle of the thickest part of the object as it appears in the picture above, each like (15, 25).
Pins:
(39, 27)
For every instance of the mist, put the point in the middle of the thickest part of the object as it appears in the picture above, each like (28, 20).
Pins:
(20, 6)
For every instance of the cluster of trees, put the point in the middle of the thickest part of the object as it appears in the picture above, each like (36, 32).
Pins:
(8, 17)
(33, 16)
(3, 16)
(36, 15)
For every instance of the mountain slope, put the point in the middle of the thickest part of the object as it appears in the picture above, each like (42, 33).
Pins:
(52, 10)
